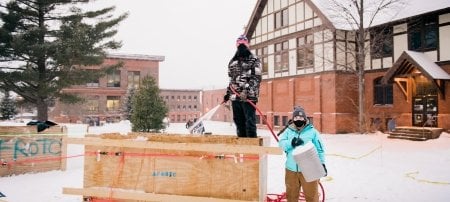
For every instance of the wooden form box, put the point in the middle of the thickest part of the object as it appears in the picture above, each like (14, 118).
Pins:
(157, 167)
(23, 150)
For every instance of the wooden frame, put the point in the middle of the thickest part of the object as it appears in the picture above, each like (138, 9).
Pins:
(174, 167)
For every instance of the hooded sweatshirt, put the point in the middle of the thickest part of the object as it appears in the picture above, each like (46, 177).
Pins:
(307, 134)
(244, 72)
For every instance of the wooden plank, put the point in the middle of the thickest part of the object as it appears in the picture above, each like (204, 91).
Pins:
(20, 130)
(174, 172)
(212, 167)
(216, 139)
(141, 196)
(64, 153)
(128, 172)
(31, 153)
(247, 149)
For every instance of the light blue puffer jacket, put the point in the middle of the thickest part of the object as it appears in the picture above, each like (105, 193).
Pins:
(308, 134)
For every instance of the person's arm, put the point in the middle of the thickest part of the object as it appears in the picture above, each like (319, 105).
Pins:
(230, 81)
(255, 78)
(317, 141)
(285, 142)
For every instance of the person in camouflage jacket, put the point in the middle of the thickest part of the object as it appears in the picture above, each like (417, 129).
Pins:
(244, 72)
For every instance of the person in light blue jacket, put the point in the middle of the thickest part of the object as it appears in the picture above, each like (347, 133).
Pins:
(300, 132)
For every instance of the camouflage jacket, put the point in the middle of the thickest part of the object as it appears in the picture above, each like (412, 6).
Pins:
(245, 77)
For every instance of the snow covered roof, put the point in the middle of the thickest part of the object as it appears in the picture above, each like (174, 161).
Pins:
(339, 17)
(339, 12)
(428, 66)
(136, 56)
(409, 60)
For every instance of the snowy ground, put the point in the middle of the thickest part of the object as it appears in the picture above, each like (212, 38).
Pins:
(361, 168)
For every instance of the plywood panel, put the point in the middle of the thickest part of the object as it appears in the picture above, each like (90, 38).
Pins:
(222, 174)
(26, 153)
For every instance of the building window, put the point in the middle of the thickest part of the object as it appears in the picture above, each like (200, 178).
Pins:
(423, 34)
(382, 93)
(305, 52)
(258, 119)
(281, 19)
(381, 42)
(282, 56)
(276, 120)
(112, 103)
(262, 53)
(113, 79)
(92, 106)
(284, 120)
(134, 78)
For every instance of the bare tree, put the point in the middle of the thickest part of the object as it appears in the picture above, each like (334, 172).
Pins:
(357, 17)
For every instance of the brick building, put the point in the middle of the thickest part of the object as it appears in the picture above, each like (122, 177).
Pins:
(306, 60)
(105, 95)
(183, 105)
(212, 98)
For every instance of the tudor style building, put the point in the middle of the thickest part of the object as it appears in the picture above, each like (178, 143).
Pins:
(104, 97)
(306, 56)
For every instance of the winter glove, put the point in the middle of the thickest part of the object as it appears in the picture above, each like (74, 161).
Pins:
(296, 141)
(226, 97)
(325, 168)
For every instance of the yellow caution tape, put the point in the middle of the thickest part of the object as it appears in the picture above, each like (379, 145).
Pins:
(355, 158)
(326, 179)
(413, 174)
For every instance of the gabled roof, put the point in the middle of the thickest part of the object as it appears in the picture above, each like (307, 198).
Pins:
(329, 12)
(258, 10)
(409, 61)
(254, 18)
(399, 10)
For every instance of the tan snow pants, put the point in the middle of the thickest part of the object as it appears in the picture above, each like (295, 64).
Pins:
(294, 181)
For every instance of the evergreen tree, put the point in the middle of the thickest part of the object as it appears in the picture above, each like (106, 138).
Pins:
(7, 107)
(44, 45)
(149, 109)
(127, 108)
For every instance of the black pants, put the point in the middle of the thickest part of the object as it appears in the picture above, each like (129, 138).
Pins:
(245, 119)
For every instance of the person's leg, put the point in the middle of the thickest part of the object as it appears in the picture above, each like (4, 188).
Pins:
(292, 182)
(310, 189)
(239, 118)
(250, 122)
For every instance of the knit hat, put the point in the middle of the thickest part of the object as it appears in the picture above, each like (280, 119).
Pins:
(242, 40)
(299, 111)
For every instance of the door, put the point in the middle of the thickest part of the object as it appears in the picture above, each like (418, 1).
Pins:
(425, 111)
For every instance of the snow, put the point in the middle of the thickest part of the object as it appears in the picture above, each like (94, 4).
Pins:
(340, 12)
(367, 167)
(429, 66)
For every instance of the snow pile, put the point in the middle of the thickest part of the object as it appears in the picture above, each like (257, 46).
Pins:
(360, 168)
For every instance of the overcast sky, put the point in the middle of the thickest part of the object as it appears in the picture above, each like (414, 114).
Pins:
(197, 37)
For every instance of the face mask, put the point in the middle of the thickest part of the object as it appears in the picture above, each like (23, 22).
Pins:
(299, 123)
(243, 51)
